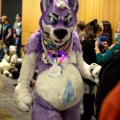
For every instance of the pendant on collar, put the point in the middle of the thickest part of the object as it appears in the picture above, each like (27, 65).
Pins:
(55, 70)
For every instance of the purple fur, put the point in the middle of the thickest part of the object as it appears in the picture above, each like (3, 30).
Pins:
(48, 2)
(71, 3)
(36, 44)
(53, 9)
(76, 43)
(41, 109)
(44, 111)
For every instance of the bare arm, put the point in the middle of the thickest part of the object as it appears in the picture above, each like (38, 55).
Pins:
(9, 34)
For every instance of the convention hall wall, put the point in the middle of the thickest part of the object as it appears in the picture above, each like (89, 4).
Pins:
(89, 9)
(30, 18)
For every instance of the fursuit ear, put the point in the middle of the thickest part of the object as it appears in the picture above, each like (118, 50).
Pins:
(44, 4)
(74, 5)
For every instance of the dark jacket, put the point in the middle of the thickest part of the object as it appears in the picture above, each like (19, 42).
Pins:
(89, 55)
(109, 77)
(88, 51)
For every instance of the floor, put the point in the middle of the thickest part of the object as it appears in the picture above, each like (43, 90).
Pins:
(7, 104)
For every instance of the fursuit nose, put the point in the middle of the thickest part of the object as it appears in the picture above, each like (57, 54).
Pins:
(60, 33)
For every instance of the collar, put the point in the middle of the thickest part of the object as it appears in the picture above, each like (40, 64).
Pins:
(55, 52)
(51, 48)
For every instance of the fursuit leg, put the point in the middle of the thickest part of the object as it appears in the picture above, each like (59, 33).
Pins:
(42, 110)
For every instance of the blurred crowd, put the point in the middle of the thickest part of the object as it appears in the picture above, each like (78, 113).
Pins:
(10, 46)
(10, 35)
(98, 47)
(99, 101)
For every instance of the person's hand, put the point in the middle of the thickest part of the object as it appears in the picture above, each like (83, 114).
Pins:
(105, 44)
(96, 47)
(96, 44)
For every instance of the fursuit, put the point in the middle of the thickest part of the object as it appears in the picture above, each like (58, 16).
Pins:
(57, 53)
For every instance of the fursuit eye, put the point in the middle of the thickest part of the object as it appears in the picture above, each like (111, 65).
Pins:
(53, 20)
(67, 21)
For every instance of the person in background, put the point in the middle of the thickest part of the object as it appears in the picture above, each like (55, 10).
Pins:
(110, 109)
(7, 31)
(92, 30)
(17, 28)
(108, 78)
(102, 58)
(106, 31)
(102, 39)
(81, 30)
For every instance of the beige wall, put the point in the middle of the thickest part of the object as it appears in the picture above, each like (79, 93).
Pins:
(88, 10)
(100, 9)
(30, 18)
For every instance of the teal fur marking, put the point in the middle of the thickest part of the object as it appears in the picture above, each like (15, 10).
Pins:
(68, 94)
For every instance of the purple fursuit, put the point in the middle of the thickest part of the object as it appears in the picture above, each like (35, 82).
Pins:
(44, 111)
(58, 93)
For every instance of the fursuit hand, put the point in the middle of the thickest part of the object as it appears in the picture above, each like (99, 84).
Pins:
(23, 97)
(94, 70)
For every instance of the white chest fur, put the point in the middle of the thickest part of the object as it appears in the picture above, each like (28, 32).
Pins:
(57, 90)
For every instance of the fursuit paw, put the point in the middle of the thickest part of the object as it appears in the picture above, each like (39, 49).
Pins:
(94, 70)
(23, 97)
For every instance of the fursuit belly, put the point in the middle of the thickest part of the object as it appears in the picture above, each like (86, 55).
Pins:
(62, 92)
